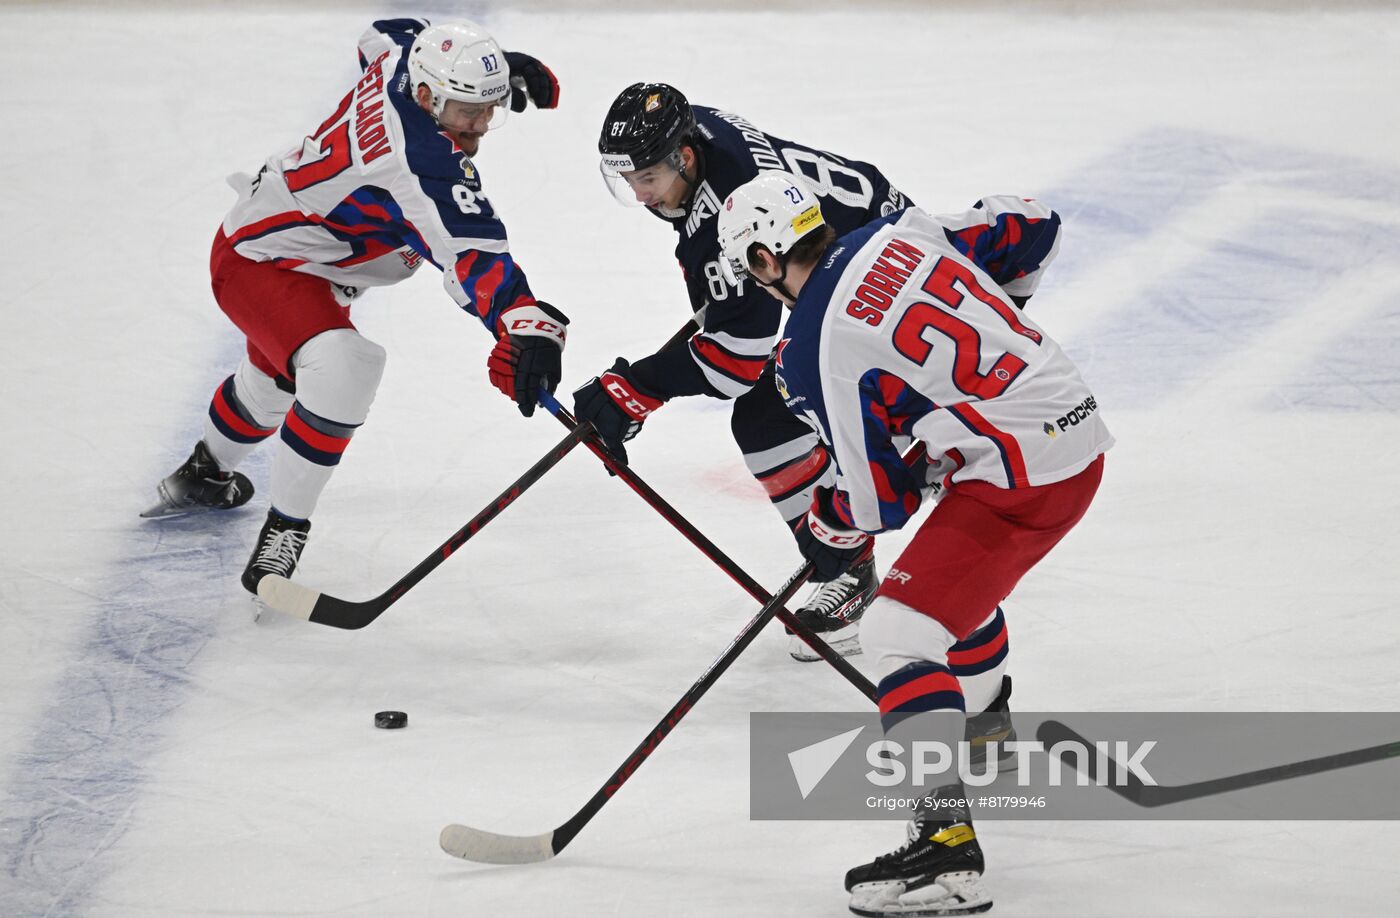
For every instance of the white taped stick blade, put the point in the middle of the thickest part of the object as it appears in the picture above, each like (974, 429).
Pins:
(293, 599)
(489, 848)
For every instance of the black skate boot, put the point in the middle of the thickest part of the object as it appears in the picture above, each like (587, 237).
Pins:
(199, 485)
(833, 611)
(277, 550)
(992, 726)
(938, 871)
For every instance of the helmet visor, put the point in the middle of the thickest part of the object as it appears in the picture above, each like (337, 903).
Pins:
(474, 117)
(651, 186)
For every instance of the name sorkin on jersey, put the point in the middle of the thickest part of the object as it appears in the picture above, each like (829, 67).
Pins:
(882, 283)
(1072, 417)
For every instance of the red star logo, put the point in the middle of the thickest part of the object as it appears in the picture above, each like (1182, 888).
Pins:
(778, 354)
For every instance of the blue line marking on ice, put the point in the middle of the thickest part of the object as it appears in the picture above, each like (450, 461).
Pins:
(76, 786)
(1363, 375)
(1176, 332)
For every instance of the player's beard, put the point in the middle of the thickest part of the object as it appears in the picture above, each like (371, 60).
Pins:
(468, 142)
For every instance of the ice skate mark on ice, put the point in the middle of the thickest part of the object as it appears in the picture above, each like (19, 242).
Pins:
(85, 767)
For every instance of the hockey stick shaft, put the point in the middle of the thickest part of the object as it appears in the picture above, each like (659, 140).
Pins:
(712, 551)
(1152, 795)
(299, 601)
(488, 847)
(302, 602)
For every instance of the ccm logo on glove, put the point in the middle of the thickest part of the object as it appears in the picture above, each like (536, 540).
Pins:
(636, 406)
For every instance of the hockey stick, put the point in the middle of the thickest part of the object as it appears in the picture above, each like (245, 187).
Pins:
(712, 551)
(490, 848)
(299, 601)
(1149, 795)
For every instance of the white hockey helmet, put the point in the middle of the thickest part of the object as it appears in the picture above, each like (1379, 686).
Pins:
(461, 61)
(773, 210)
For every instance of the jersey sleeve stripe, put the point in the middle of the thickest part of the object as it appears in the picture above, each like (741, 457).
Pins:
(741, 368)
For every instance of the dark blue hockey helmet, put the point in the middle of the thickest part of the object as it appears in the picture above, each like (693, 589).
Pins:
(646, 124)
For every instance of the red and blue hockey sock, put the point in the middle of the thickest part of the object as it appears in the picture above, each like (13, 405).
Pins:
(979, 660)
(233, 427)
(311, 447)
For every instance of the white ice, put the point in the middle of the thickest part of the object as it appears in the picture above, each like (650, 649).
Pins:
(1229, 281)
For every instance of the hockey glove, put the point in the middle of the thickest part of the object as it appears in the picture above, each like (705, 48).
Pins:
(529, 354)
(529, 78)
(615, 405)
(826, 542)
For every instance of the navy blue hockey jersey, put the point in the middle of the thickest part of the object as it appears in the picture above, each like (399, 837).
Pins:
(738, 323)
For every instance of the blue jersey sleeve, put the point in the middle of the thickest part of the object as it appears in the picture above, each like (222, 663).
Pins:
(1012, 239)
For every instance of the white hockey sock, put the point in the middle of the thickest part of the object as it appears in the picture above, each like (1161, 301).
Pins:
(337, 375)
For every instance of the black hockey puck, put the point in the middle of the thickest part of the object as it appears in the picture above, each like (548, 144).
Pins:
(390, 720)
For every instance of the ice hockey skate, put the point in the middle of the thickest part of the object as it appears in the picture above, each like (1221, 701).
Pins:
(277, 550)
(199, 485)
(833, 611)
(938, 871)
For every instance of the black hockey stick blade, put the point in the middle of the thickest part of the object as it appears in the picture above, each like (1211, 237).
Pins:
(1151, 795)
(302, 602)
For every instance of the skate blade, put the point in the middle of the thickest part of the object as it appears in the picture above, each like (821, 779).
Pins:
(164, 509)
(844, 646)
(963, 894)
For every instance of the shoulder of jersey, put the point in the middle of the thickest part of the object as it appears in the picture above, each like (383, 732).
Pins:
(428, 150)
(729, 162)
(816, 294)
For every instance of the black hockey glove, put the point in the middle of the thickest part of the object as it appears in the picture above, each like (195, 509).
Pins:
(530, 78)
(528, 354)
(825, 541)
(615, 405)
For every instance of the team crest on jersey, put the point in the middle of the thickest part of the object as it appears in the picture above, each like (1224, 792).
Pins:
(446, 45)
(653, 102)
(706, 206)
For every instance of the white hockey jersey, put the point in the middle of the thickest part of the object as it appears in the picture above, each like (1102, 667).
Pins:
(377, 189)
(907, 329)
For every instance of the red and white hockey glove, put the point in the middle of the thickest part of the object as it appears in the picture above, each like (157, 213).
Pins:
(824, 539)
(529, 354)
(615, 405)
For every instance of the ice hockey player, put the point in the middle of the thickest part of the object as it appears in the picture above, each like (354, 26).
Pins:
(909, 327)
(386, 182)
(681, 161)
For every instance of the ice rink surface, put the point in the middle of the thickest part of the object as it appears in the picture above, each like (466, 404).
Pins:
(1229, 281)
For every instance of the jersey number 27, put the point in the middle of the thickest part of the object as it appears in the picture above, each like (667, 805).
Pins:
(967, 343)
